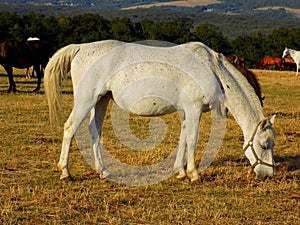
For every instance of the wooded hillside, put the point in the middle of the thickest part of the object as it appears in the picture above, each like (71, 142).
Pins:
(225, 6)
(231, 25)
(61, 31)
(251, 36)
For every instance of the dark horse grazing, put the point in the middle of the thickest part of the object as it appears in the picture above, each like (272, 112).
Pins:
(289, 64)
(252, 79)
(236, 60)
(23, 55)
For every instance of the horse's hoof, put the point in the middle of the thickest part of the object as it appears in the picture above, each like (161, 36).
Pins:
(181, 175)
(104, 174)
(194, 176)
(66, 177)
(9, 90)
(195, 180)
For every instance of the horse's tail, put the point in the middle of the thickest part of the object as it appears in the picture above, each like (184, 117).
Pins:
(55, 72)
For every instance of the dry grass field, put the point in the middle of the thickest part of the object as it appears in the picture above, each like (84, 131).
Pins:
(296, 12)
(184, 3)
(31, 192)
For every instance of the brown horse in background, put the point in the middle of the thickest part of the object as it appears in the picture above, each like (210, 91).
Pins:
(23, 55)
(252, 79)
(268, 61)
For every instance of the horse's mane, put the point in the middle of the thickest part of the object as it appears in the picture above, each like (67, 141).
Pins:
(234, 83)
(241, 81)
(252, 79)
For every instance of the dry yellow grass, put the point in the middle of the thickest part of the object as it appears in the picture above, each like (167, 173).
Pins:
(185, 3)
(31, 192)
(296, 12)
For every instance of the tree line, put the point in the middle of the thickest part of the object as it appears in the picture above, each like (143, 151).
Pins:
(60, 31)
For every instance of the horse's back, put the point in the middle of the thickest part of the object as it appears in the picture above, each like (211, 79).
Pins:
(271, 60)
(87, 54)
(136, 74)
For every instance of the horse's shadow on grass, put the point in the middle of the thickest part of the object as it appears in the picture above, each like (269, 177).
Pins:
(292, 163)
(4, 91)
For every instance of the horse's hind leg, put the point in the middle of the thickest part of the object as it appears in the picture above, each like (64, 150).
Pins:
(12, 84)
(95, 128)
(38, 71)
(65, 149)
(79, 112)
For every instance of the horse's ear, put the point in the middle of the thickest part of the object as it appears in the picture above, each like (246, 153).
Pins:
(272, 120)
(263, 124)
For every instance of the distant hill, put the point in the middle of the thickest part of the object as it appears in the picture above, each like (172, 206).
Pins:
(232, 6)
(179, 3)
(233, 17)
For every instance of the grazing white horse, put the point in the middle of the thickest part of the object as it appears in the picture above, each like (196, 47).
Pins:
(154, 86)
(294, 54)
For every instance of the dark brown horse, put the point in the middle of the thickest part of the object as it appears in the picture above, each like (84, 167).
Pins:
(289, 64)
(252, 79)
(23, 55)
(268, 61)
(236, 60)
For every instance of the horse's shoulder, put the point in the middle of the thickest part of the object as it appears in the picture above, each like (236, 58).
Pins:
(201, 50)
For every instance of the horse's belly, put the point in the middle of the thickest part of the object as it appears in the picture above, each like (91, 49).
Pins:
(148, 106)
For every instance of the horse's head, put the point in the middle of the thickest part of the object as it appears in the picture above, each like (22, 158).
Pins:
(285, 52)
(259, 149)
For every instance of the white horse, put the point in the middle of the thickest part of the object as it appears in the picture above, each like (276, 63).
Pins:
(155, 85)
(294, 54)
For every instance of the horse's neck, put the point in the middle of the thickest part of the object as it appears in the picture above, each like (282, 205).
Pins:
(240, 98)
(294, 54)
(246, 116)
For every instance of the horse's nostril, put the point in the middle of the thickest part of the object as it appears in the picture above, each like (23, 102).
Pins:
(268, 177)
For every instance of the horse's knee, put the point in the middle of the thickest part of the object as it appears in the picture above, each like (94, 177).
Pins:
(68, 126)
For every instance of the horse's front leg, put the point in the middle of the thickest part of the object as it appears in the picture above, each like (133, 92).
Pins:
(192, 129)
(180, 157)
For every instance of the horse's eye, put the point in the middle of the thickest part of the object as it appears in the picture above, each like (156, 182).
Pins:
(264, 145)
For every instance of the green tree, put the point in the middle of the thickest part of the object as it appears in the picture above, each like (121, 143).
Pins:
(123, 30)
(89, 27)
(7, 21)
(251, 47)
(210, 35)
